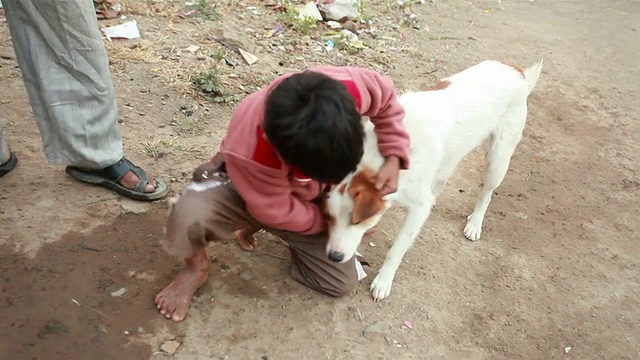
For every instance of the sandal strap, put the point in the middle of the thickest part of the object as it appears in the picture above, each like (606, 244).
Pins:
(116, 171)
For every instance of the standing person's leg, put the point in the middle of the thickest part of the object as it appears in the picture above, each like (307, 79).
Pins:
(65, 69)
(8, 160)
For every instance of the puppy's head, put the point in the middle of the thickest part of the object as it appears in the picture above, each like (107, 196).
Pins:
(352, 207)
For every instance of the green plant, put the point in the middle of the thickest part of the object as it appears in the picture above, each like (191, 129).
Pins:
(209, 85)
(360, 6)
(291, 17)
(205, 10)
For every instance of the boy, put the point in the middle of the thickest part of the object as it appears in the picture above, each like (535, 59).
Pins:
(284, 144)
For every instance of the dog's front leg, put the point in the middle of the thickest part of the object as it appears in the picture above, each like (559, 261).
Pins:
(416, 216)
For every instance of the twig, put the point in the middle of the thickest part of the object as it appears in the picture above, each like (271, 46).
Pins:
(442, 38)
(89, 307)
(272, 255)
(84, 245)
(160, 353)
(434, 69)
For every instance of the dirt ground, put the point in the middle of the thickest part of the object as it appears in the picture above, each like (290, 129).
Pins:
(556, 274)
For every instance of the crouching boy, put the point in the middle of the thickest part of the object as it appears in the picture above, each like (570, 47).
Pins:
(284, 144)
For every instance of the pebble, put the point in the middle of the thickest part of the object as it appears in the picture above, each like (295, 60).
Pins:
(132, 207)
(54, 327)
(378, 327)
(247, 275)
(118, 292)
(170, 347)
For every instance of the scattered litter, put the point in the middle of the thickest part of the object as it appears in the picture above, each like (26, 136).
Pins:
(334, 24)
(310, 11)
(192, 49)
(105, 12)
(248, 57)
(128, 30)
(351, 39)
(185, 14)
(567, 349)
(273, 32)
(329, 44)
(340, 9)
(170, 347)
(230, 62)
(372, 244)
(408, 324)
(119, 292)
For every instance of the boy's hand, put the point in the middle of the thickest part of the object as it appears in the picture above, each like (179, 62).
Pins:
(387, 178)
(205, 171)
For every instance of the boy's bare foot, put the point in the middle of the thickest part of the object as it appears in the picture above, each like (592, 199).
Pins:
(245, 240)
(174, 301)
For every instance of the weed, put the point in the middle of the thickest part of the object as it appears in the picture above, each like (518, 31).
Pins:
(192, 126)
(291, 17)
(205, 10)
(360, 6)
(208, 84)
(158, 148)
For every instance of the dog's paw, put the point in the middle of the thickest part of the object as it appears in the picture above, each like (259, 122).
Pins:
(381, 285)
(473, 229)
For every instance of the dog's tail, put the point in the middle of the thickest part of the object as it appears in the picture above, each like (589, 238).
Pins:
(532, 73)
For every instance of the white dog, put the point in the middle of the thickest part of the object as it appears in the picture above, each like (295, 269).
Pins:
(487, 101)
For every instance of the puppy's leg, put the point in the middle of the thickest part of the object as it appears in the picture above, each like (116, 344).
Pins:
(498, 158)
(417, 215)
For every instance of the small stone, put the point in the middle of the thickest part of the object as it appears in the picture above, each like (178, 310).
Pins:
(170, 347)
(118, 292)
(140, 330)
(247, 275)
(379, 327)
(567, 349)
(101, 328)
(134, 207)
(372, 244)
(351, 26)
(53, 327)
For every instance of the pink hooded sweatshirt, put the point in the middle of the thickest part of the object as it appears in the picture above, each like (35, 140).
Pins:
(281, 197)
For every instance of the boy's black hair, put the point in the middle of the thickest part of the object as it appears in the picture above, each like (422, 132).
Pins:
(313, 123)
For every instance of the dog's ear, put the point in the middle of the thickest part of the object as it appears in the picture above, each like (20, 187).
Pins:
(366, 204)
(365, 196)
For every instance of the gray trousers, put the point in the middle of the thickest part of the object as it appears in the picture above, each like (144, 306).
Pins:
(65, 69)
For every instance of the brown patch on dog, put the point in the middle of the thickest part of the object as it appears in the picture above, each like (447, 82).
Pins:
(342, 188)
(367, 202)
(515, 67)
(440, 86)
